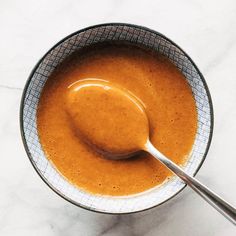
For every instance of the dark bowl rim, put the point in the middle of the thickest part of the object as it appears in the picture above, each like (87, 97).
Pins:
(29, 80)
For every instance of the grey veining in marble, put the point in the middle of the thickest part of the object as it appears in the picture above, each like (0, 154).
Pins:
(206, 30)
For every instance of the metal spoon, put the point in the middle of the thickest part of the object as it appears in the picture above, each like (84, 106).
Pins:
(103, 86)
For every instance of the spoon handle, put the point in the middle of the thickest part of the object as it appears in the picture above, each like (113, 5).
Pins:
(213, 199)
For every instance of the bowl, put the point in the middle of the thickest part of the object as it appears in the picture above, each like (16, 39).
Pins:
(126, 33)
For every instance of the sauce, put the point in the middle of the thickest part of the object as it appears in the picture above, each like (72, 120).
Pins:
(154, 80)
(120, 126)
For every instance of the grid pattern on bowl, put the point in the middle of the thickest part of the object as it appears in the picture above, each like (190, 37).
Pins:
(102, 33)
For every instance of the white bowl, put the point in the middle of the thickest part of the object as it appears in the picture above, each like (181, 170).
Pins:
(125, 33)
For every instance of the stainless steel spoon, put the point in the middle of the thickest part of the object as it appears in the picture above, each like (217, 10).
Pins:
(102, 86)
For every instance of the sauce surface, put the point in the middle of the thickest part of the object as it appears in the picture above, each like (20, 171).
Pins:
(155, 81)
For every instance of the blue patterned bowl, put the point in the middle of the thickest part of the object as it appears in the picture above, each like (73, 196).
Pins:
(125, 33)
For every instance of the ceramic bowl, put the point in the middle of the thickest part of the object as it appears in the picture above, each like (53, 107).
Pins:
(126, 33)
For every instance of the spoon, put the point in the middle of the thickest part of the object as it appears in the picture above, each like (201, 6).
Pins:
(90, 103)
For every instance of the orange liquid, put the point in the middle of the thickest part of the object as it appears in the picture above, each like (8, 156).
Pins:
(169, 106)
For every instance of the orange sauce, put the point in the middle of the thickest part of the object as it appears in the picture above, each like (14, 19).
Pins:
(154, 80)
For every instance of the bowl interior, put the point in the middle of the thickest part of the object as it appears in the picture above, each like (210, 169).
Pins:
(130, 34)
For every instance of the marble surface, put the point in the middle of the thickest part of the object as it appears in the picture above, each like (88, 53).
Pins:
(206, 30)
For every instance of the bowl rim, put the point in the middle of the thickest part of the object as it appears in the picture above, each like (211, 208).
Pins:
(29, 80)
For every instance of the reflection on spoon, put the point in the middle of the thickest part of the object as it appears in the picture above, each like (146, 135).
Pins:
(114, 122)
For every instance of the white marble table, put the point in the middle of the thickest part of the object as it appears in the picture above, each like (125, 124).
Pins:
(205, 29)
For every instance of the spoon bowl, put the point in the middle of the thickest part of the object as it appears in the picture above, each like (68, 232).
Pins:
(120, 128)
